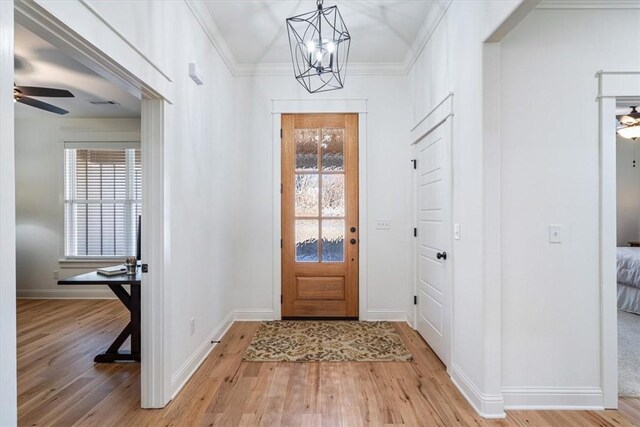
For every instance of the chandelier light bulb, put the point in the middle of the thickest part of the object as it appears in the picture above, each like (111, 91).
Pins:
(331, 47)
(319, 56)
(311, 46)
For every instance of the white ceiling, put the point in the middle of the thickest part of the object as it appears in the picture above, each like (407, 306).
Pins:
(37, 63)
(253, 32)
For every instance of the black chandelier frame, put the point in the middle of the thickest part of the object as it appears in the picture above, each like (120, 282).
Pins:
(322, 68)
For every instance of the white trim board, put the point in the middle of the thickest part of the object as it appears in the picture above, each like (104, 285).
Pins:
(299, 106)
(180, 378)
(488, 406)
(552, 398)
(388, 315)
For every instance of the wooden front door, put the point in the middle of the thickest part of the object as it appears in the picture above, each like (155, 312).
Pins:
(320, 215)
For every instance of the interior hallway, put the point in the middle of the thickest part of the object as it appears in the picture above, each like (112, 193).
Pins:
(58, 383)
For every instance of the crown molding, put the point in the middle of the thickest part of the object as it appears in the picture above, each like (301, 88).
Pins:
(431, 22)
(589, 4)
(207, 23)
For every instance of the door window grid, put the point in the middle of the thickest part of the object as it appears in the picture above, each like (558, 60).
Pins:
(320, 195)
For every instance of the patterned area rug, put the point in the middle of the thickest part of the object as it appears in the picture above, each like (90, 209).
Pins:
(326, 341)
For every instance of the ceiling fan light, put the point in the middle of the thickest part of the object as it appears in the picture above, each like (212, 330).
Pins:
(627, 120)
(630, 132)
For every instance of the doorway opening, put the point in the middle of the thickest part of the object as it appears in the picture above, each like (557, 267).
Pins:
(628, 249)
(320, 228)
(153, 375)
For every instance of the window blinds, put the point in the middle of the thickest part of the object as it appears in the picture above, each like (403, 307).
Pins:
(102, 201)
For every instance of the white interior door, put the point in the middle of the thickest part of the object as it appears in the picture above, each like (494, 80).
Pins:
(433, 242)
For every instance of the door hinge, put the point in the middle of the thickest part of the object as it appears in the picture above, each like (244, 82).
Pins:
(415, 163)
(145, 268)
(280, 133)
(415, 300)
(415, 232)
(280, 188)
(280, 243)
(281, 299)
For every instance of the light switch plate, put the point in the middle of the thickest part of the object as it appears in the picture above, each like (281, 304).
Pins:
(383, 224)
(456, 231)
(555, 233)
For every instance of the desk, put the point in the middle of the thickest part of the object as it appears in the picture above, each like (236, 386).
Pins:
(131, 301)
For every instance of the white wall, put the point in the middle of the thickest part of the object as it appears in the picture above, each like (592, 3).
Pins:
(551, 352)
(388, 178)
(39, 202)
(452, 61)
(628, 191)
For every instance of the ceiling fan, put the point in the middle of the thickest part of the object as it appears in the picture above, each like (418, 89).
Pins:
(23, 94)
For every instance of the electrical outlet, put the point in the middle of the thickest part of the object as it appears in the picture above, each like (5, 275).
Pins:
(192, 323)
(383, 224)
(56, 274)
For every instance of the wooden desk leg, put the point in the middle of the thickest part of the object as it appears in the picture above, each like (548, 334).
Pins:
(132, 302)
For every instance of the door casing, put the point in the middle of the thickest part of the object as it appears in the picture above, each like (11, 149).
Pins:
(300, 106)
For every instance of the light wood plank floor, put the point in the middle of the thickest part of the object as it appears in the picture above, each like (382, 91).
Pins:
(58, 383)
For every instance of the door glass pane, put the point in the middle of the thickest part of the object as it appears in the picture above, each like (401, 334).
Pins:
(332, 149)
(307, 149)
(333, 240)
(307, 240)
(333, 195)
(307, 195)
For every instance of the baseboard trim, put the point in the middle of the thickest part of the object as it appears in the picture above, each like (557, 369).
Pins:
(553, 398)
(186, 371)
(488, 406)
(65, 294)
(391, 315)
(240, 315)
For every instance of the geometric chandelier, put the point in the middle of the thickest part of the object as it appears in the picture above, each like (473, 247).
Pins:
(319, 43)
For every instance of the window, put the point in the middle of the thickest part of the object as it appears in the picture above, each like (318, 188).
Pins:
(102, 199)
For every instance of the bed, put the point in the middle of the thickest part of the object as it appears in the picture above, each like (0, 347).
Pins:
(628, 262)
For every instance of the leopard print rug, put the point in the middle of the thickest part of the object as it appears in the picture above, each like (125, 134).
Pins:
(326, 341)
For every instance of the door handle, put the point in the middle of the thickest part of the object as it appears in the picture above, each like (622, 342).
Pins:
(441, 255)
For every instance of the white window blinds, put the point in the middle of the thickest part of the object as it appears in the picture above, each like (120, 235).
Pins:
(102, 198)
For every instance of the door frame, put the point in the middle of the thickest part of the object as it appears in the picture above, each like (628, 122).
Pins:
(612, 86)
(154, 366)
(319, 106)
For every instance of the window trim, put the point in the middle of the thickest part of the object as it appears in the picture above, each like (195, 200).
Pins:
(87, 140)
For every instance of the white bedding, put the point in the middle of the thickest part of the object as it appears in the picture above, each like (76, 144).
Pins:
(628, 260)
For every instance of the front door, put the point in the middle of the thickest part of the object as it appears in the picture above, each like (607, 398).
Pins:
(433, 199)
(320, 215)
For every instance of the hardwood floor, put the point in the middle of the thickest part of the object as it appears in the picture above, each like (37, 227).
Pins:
(58, 383)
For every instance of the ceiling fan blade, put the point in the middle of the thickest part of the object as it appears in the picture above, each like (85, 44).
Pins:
(44, 91)
(42, 105)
